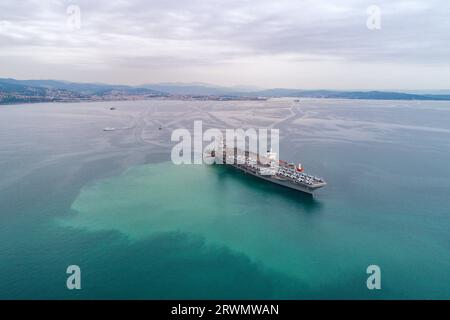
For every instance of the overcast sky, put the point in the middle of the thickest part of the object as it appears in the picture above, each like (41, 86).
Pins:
(279, 43)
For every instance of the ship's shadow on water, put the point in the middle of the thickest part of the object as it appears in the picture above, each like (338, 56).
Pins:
(305, 201)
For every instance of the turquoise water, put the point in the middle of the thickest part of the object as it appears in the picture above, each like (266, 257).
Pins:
(141, 227)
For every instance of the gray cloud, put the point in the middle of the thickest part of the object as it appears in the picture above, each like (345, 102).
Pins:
(172, 38)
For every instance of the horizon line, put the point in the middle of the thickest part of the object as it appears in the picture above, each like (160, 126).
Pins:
(211, 85)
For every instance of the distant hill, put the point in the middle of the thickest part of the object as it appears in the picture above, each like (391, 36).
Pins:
(371, 95)
(81, 88)
(20, 91)
(13, 91)
(188, 89)
(199, 89)
(204, 89)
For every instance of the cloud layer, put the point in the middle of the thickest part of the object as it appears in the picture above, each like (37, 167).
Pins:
(291, 43)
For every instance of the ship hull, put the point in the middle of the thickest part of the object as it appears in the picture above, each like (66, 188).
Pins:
(276, 180)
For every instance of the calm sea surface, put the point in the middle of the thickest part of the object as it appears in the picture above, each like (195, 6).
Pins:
(141, 227)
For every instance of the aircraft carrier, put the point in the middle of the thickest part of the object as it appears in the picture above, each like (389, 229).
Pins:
(269, 168)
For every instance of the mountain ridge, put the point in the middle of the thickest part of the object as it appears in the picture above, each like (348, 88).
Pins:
(19, 91)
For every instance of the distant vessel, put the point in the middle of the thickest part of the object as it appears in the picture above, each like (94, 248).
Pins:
(270, 169)
(120, 128)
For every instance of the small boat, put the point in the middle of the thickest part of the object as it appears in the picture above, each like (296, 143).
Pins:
(109, 129)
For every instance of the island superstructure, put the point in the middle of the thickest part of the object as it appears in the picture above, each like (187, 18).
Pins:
(269, 168)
